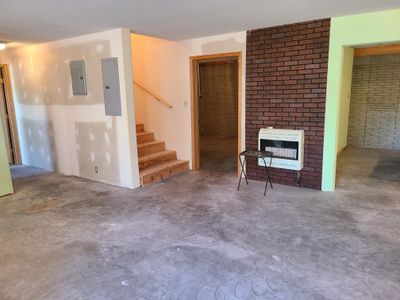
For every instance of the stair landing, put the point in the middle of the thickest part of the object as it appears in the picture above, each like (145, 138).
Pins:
(155, 162)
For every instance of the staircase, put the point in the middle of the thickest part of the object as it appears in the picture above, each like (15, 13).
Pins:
(155, 162)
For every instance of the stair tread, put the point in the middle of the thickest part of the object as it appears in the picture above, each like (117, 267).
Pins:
(149, 143)
(139, 128)
(145, 137)
(161, 166)
(153, 155)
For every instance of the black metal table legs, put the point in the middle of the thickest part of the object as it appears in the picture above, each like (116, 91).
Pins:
(267, 178)
(243, 172)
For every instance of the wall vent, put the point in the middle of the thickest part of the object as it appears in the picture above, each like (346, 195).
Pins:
(286, 145)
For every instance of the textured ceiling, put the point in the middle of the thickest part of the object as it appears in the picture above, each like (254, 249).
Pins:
(45, 20)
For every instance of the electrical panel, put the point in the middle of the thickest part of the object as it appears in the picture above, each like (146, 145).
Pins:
(112, 97)
(78, 77)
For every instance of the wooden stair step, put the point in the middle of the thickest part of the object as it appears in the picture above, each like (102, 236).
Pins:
(150, 148)
(163, 171)
(156, 158)
(139, 128)
(145, 137)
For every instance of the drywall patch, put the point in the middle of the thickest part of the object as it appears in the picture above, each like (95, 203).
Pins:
(101, 165)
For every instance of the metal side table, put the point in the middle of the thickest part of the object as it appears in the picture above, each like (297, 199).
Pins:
(256, 154)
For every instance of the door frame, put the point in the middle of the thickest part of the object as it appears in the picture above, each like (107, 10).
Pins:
(11, 115)
(194, 101)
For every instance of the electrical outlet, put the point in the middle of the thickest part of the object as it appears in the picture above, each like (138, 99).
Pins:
(96, 170)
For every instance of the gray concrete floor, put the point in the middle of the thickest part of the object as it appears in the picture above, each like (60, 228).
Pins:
(20, 171)
(195, 237)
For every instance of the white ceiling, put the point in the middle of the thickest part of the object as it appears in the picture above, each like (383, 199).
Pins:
(45, 20)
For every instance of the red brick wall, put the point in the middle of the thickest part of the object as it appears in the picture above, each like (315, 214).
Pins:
(286, 74)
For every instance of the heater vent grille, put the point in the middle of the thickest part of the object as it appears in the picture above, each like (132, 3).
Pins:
(281, 149)
(286, 145)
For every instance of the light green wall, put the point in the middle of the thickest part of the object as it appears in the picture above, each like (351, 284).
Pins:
(365, 29)
(5, 177)
(344, 102)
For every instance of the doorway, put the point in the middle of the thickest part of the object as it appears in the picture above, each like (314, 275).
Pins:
(7, 116)
(216, 113)
(371, 132)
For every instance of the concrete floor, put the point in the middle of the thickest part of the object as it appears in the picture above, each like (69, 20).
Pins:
(195, 237)
(20, 171)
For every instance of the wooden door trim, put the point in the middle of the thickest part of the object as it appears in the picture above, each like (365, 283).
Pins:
(11, 114)
(377, 50)
(194, 64)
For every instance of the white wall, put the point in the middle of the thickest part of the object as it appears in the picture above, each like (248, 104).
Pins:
(164, 66)
(72, 134)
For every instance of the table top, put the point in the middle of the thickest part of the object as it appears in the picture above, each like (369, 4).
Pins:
(256, 153)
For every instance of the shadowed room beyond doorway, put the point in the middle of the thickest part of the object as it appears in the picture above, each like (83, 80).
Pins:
(218, 114)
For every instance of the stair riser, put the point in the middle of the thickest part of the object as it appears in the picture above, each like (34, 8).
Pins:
(163, 174)
(157, 160)
(139, 128)
(145, 138)
(146, 150)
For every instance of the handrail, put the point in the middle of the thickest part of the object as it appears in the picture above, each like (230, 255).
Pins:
(158, 98)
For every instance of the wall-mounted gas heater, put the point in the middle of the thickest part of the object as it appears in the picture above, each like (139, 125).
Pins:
(286, 145)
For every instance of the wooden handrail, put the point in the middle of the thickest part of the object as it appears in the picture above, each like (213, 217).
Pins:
(158, 98)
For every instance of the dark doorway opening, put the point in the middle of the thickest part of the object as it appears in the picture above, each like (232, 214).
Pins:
(7, 117)
(218, 114)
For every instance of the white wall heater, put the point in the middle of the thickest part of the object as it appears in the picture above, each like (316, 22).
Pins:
(286, 145)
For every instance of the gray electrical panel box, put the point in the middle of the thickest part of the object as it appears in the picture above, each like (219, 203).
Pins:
(78, 77)
(112, 97)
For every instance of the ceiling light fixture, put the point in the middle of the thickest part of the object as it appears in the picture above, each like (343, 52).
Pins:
(3, 45)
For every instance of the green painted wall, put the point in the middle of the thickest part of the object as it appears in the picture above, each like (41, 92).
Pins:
(344, 102)
(365, 29)
(5, 177)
